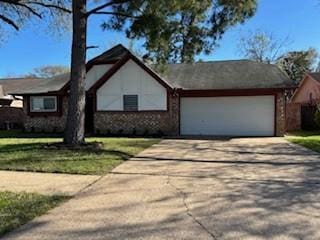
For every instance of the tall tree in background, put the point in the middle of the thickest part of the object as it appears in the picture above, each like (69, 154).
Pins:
(262, 46)
(297, 63)
(185, 28)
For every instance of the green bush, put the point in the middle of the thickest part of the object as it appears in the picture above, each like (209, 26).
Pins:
(317, 116)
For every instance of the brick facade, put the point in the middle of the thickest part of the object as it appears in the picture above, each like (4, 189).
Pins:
(47, 123)
(140, 123)
(293, 116)
(11, 117)
(280, 114)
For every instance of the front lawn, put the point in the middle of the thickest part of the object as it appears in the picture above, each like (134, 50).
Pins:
(25, 152)
(308, 139)
(18, 208)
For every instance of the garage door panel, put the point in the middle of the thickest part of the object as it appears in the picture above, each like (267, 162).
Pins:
(234, 116)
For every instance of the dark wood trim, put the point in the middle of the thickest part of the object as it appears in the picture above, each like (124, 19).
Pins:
(57, 113)
(169, 96)
(179, 114)
(275, 113)
(91, 63)
(93, 89)
(43, 94)
(119, 64)
(229, 92)
(128, 112)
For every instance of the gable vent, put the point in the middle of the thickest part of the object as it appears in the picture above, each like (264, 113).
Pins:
(130, 102)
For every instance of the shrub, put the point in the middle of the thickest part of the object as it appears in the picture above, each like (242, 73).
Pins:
(134, 132)
(146, 133)
(317, 116)
(120, 132)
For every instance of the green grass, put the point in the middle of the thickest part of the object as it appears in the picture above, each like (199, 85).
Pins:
(18, 208)
(25, 152)
(308, 139)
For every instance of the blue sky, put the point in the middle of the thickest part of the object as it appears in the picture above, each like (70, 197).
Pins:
(33, 47)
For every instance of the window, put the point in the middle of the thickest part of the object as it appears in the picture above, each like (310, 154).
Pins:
(43, 104)
(130, 102)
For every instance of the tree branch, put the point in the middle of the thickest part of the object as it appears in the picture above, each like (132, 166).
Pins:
(9, 21)
(97, 9)
(115, 13)
(24, 5)
(50, 6)
(91, 47)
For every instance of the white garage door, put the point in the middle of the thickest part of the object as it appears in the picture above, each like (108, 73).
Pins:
(227, 116)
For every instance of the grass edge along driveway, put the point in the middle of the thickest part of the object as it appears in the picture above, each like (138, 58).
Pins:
(308, 139)
(17, 209)
(28, 153)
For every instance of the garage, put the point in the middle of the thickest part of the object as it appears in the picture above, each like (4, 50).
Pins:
(228, 116)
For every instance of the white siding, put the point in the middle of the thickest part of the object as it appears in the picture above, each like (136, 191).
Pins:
(131, 79)
(233, 116)
(95, 73)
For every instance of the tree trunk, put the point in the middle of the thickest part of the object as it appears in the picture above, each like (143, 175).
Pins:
(74, 134)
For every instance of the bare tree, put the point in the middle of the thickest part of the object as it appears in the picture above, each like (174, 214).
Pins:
(262, 46)
(297, 63)
(49, 71)
(15, 13)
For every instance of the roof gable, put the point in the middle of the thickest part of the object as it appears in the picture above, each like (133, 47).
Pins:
(307, 79)
(112, 55)
(121, 63)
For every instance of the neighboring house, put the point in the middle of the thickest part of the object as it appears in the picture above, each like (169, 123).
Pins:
(300, 110)
(308, 91)
(126, 96)
(11, 112)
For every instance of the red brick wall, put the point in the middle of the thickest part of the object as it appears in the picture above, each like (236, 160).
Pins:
(12, 115)
(166, 122)
(280, 115)
(293, 116)
(47, 123)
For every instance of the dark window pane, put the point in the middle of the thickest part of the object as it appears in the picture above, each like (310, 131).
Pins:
(46, 104)
(130, 102)
(49, 103)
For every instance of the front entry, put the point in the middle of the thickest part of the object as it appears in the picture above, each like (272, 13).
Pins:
(89, 119)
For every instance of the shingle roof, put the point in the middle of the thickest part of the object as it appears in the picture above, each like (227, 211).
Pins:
(113, 54)
(10, 85)
(315, 75)
(53, 84)
(234, 74)
(56, 83)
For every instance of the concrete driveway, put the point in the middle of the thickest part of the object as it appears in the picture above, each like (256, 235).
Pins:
(245, 188)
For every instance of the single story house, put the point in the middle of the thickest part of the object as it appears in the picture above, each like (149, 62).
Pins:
(303, 103)
(8, 85)
(127, 96)
(11, 112)
(308, 91)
